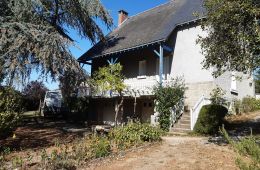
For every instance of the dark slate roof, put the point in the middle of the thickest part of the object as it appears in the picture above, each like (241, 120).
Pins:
(148, 27)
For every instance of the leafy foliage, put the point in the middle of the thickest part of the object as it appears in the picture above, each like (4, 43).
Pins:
(33, 93)
(69, 84)
(134, 134)
(33, 34)
(216, 96)
(233, 41)
(210, 119)
(167, 98)
(247, 148)
(247, 104)
(2, 74)
(10, 108)
(109, 78)
(10, 100)
(100, 147)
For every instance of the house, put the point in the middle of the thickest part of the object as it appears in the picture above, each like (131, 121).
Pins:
(155, 46)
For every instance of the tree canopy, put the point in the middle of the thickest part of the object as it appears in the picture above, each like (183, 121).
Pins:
(109, 78)
(33, 93)
(233, 41)
(33, 34)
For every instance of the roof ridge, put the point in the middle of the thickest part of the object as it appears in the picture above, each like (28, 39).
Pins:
(151, 9)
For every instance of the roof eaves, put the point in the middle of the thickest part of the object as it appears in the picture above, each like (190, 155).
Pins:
(124, 50)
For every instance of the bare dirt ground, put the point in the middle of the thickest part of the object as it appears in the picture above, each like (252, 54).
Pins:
(175, 153)
(37, 136)
(187, 153)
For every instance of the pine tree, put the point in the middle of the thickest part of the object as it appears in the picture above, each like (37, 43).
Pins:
(33, 35)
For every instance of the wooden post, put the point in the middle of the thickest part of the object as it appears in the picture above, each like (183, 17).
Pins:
(135, 107)
(116, 111)
(160, 55)
(161, 64)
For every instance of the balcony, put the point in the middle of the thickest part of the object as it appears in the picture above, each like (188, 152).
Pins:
(135, 87)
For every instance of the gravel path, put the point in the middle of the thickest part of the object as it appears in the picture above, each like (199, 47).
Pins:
(176, 153)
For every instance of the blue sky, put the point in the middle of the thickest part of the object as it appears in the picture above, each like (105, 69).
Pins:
(133, 7)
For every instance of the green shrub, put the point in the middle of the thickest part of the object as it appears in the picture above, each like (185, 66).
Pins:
(210, 118)
(8, 121)
(248, 104)
(10, 100)
(168, 97)
(100, 147)
(216, 96)
(134, 134)
(10, 108)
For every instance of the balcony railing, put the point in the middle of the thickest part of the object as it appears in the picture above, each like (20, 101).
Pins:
(135, 87)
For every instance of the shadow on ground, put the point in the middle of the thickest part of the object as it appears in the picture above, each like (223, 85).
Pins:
(36, 134)
(239, 128)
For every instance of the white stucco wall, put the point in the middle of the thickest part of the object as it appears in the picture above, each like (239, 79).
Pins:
(187, 62)
(244, 82)
(187, 57)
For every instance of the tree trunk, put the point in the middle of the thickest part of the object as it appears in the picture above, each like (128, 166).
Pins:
(118, 108)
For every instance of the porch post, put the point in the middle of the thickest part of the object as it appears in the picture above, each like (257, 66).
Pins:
(160, 55)
(161, 64)
(135, 106)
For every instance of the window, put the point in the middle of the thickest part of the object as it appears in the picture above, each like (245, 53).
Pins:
(142, 68)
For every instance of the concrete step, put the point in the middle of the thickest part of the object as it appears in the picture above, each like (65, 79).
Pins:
(181, 130)
(184, 126)
(181, 123)
(184, 121)
(172, 133)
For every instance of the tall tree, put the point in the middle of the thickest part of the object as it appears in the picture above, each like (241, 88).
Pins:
(233, 41)
(33, 34)
(34, 92)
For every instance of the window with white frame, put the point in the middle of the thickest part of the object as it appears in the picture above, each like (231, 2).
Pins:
(142, 68)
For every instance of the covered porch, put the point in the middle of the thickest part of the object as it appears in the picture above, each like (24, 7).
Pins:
(102, 110)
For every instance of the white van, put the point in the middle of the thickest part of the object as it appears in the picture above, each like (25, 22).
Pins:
(53, 103)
